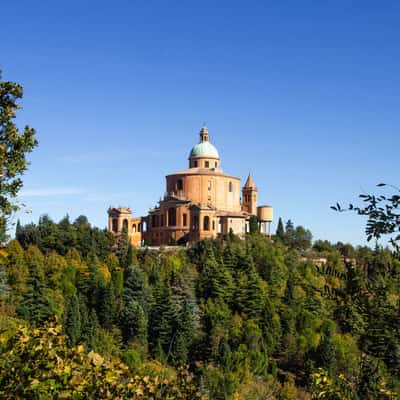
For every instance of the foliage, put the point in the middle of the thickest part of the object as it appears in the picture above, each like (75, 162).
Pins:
(37, 364)
(382, 212)
(14, 146)
(248, 318)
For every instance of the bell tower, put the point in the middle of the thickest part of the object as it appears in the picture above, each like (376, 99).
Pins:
(119, 220)
(249, 196)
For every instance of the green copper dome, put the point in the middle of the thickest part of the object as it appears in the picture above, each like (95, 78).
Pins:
(204, 149)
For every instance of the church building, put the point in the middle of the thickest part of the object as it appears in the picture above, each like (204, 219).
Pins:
(200, 202)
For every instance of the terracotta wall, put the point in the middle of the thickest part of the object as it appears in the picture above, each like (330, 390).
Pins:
(208, 189)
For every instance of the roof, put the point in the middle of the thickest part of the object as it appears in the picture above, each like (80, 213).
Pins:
(232, 214)
(204, 149)
(250, 182)
(204, 171)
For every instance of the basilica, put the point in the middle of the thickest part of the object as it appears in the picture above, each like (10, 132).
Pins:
(200, 202)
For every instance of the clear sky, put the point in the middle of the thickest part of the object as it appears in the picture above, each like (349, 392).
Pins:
(304, 94)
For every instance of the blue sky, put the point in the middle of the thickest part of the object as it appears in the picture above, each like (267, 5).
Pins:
(305, 95)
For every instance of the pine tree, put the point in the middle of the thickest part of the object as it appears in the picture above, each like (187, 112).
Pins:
(185, 333)
(134, 323)
(163, 318)
(136, 288)
(36, 305)
(215, 280)
(72, 319)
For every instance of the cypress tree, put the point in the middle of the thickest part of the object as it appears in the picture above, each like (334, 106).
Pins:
(280, 230)
(106, 305)
(253, 225)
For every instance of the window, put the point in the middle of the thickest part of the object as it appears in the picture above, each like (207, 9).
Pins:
(209, 185)
(139, 227)
(216, 165)
(206, 223)
(134, 228)
(154, 221)
(171, 216)
(179, 184)
(195, 163)
(115, 225)
(162, 220)
(230, 187)
(125, 225)
(207, 164)
(213, 225)
(184, 220)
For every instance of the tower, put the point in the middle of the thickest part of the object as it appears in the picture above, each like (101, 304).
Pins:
(249, 196)
(119, 219)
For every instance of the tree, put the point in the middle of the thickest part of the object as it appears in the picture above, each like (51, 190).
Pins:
(302, 238)
(17, 271)
(280, 230)
(37, 304)
(72, 319)
(14, 146)
(134, 323)
(382, 212)
(253, 224)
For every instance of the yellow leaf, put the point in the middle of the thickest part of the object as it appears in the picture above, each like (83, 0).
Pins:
(95, 358)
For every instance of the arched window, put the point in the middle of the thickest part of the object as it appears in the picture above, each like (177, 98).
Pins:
(216, 164)
(139, 227)
(134, 228)
(213, 225)
(230, 186)
(206, 223)
(125, 225)
(207, 164)
(172, 216)
(115, 225)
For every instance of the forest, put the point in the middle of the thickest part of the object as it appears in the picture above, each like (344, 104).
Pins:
(83, 315)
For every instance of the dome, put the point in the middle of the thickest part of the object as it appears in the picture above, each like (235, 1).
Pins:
(204, 149)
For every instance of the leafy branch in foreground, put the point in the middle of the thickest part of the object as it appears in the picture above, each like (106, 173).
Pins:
(38, 364)
(14, 144)
(383, 214)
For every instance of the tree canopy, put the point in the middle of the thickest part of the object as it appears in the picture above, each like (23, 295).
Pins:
(14, 146)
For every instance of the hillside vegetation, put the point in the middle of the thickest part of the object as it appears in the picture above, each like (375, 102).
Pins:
(234, 319)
